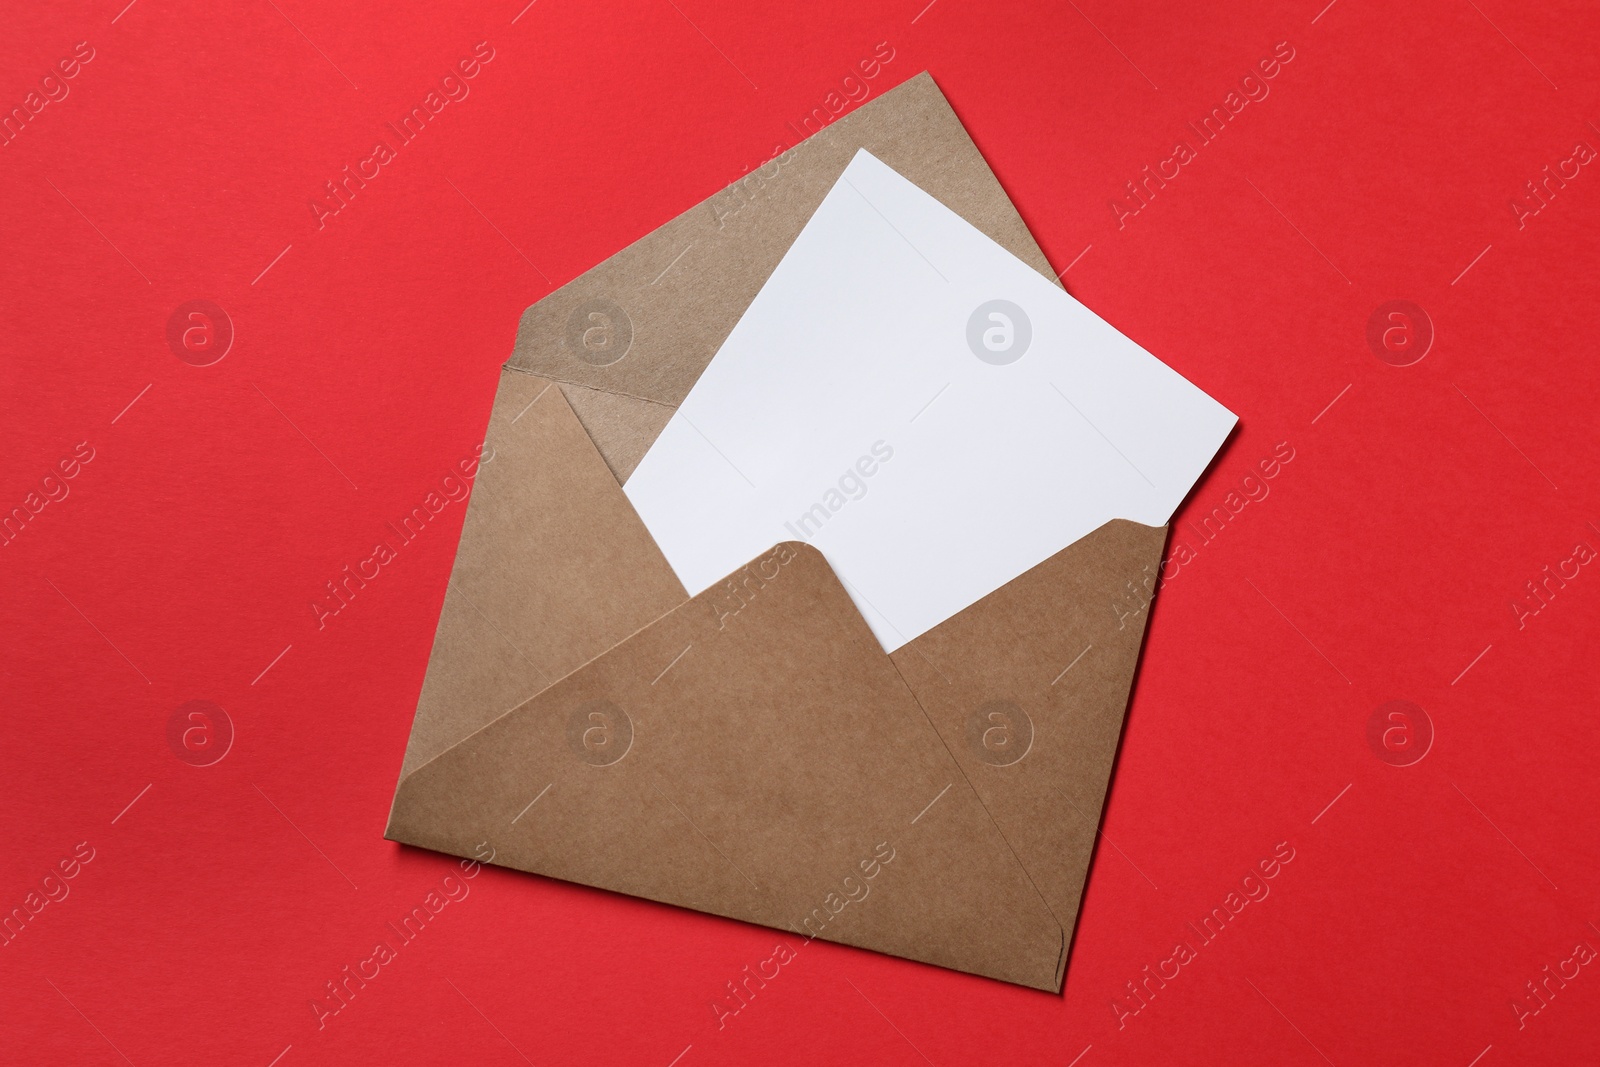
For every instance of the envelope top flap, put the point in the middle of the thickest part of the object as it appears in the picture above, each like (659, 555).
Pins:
(1028, 688)
(553, 568)
(646, 321)
(752, 754)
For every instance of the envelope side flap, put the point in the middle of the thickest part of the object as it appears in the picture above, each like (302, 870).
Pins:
(753, 754)
(1028, 688)
(553, 568)
(646, 321)
(622, 428)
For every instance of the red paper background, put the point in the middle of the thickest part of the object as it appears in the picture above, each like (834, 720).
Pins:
(1383, 565)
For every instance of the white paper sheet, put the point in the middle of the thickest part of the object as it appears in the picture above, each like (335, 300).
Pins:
(924, 408)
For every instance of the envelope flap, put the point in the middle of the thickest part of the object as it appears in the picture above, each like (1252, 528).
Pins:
(645, 322)
(554, 567)
(1028, 688)
(752, 754)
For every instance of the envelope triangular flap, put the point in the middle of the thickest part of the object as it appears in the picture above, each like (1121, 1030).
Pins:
(645, 322)
(553, 568)
(753, 755)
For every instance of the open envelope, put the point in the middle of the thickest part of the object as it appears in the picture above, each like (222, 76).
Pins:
(752, 751)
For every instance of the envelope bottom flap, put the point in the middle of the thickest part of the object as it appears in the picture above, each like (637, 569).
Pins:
(753, 754)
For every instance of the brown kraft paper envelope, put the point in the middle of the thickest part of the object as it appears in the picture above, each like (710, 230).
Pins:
(752, 752)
